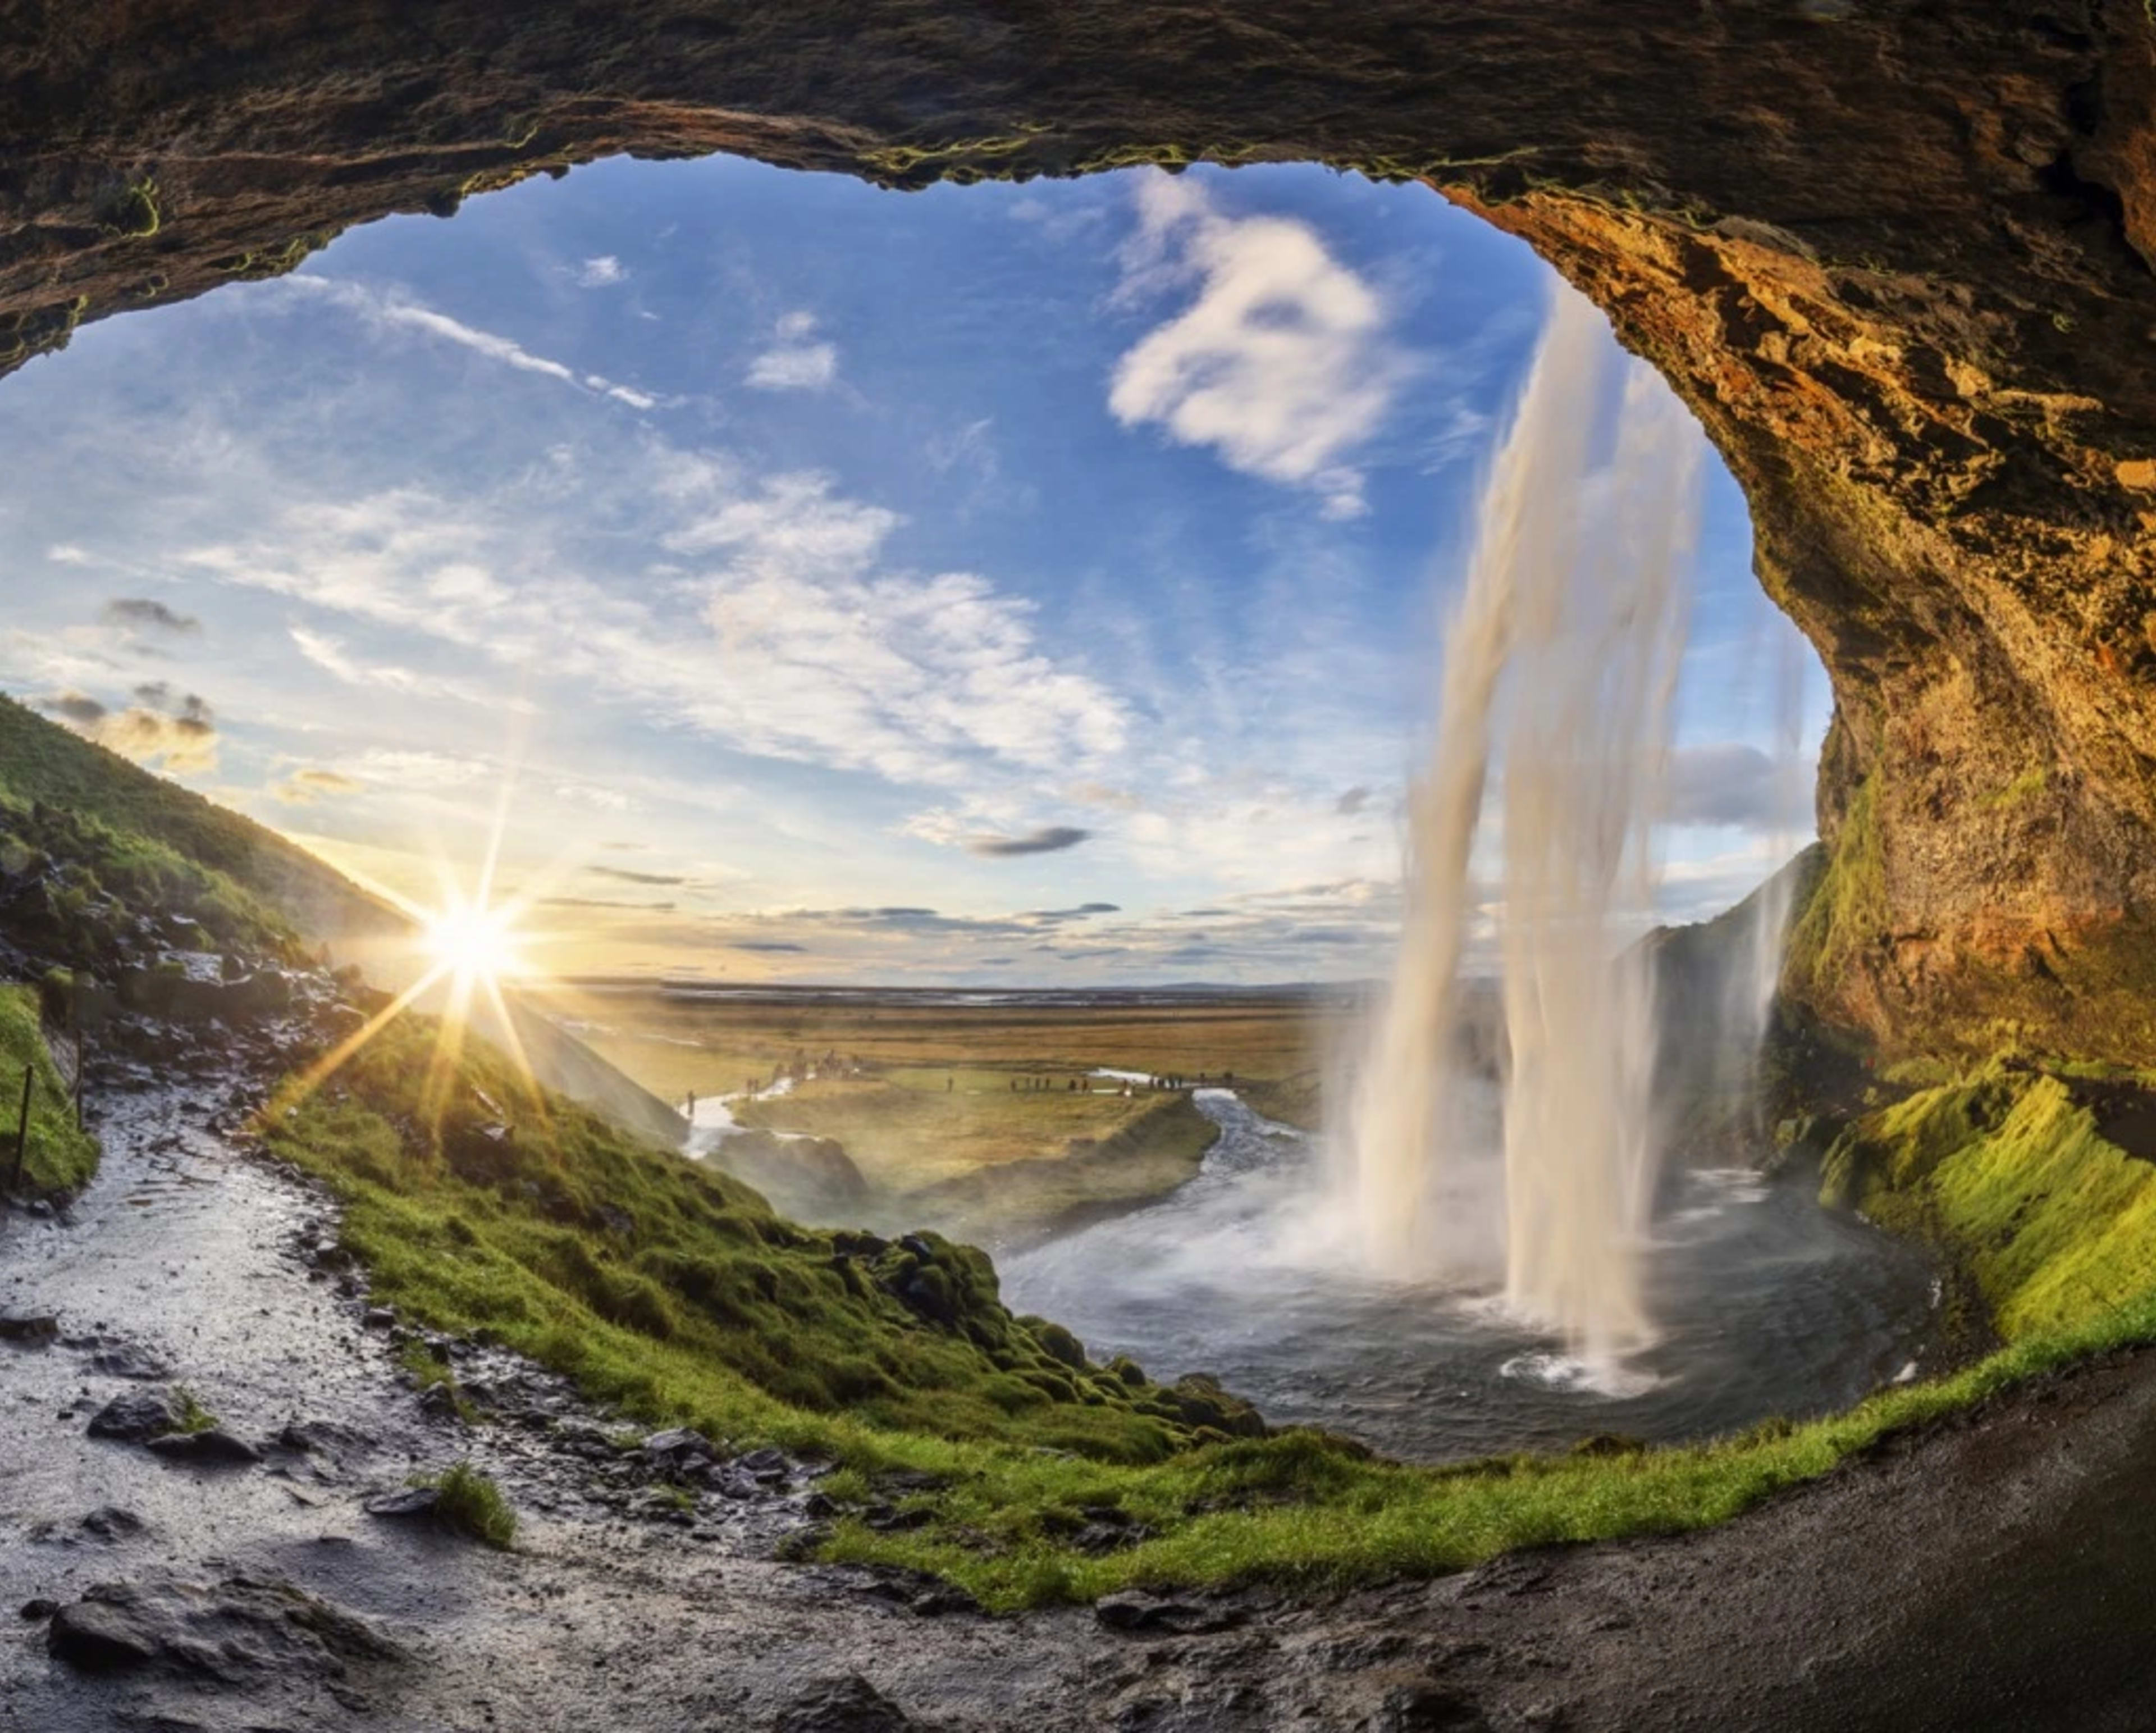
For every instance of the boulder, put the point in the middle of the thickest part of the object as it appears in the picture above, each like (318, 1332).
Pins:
(34, 1327)
(109, 1522)
(1426, 1707)
(212, 1444)
(242, 1630)
(125, 1361)
(846, 1704)
(679, 1447)
(138, 1414)
(406, 1503)
(1135, 1611)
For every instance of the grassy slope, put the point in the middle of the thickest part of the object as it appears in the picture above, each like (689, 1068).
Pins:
(1152, 1152)
(2057, 1226)
(60, 1158)
(160, 846)
(674, 1290)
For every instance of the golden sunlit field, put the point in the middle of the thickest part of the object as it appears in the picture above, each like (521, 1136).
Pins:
(985, 1117)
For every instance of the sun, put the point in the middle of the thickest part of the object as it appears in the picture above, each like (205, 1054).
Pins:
(473, 943)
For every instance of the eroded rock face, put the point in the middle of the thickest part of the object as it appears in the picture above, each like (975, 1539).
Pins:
(1896, 257)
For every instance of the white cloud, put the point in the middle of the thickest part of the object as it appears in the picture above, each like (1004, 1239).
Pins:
(66, 553)
(778, 631)
(395, 312)
(1282, 363)
(794, 362)
(329, 655)
(407, 769)
(601, 273)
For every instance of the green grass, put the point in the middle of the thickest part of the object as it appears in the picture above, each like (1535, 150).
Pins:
(1846, 910)
(2057, 1226)
(429, 1371)
(691, 1303)
(673, 1291)
(61, 1158)
(125, 837)
(468, 1502)
(193, 1417)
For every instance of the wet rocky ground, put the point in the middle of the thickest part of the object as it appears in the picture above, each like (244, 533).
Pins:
(267, 1571)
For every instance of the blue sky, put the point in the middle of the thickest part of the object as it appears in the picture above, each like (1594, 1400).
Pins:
(1040, 584)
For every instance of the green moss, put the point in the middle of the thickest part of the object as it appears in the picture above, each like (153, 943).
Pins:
(2029, 784)
(193, 1417)
(1847, 911)
(2057, 1226)
(471, 1504)
(130, 209)
(270, 261)
(39, 331)
(61, 1157)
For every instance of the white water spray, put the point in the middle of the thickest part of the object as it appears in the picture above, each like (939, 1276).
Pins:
(1574, 608)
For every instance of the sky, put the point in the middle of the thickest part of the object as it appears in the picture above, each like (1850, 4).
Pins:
(1034, 585)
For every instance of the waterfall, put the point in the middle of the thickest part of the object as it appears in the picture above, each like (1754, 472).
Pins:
(1558, 667)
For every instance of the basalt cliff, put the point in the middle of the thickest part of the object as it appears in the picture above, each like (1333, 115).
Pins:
(1895, 254)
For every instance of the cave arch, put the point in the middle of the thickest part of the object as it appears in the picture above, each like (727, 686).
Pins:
(1896, 255)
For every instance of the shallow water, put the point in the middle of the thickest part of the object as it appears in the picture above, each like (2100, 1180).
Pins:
(1763, 1304)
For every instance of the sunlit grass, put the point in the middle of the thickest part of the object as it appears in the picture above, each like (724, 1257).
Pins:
(468, 1502)
(672, 1045)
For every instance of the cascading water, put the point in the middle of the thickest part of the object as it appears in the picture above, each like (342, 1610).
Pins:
(1748, 989)
(1558, 668)
(1558, 671)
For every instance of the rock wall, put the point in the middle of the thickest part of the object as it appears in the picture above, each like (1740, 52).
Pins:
(1895, 253)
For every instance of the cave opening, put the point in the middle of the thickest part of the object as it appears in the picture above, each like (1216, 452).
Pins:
(707, 574)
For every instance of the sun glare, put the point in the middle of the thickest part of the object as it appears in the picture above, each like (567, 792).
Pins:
(473, 943)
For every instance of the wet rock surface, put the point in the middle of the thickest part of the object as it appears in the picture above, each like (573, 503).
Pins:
(138, 1415)
(233, 1633)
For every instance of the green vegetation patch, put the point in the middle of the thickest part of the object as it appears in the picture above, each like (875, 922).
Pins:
(61, 1157)
(1847, 909)
(193, 1417)
(2056, 1225)
(674, 1291)
(127, 843)
(468, 1502)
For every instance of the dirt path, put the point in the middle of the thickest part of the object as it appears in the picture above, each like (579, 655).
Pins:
(1997, 1574)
